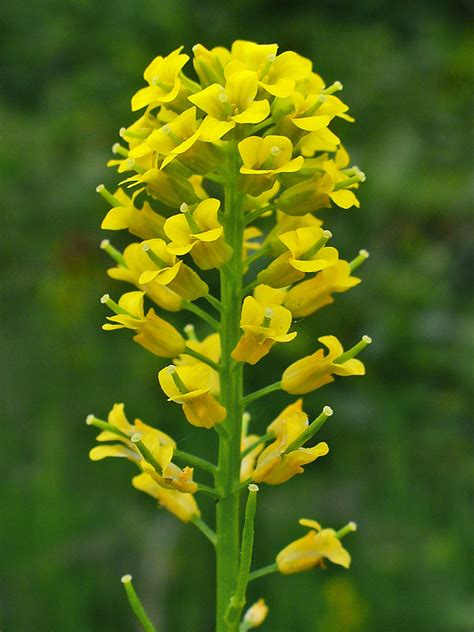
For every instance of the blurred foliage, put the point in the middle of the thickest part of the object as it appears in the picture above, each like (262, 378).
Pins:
(400, 461)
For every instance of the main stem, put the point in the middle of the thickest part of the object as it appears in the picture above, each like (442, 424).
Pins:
(228, 476)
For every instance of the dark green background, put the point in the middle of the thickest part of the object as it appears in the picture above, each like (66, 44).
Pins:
(401, 441)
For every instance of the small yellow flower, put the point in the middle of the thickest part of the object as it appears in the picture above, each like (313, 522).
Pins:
(135, 262)
(210, 347)
(268, 156)
(309, 296)
(305, 253)
(285, 223)
(159, 444)
(263, 325)
(200, 233)
(167, 270)
(143, 223)
(182, 505)
(162, 78)
(256, 614)
(277, 74)
(191, 386)
(316, 370)
(310, 550)
(153, 333)
(232, 104)
(170, 190)
(275, 465)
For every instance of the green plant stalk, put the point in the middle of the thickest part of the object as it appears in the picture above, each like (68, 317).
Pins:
(228, 476)
(238, 599)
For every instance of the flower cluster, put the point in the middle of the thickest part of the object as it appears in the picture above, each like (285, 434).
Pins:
(225, 171)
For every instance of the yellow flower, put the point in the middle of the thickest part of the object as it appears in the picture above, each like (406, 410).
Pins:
(143, 223)
(256, 614)
(176, 139)
(170, 190)
(277, 74)
(210, 347)
(182, 505)
(275, 465)
(163, 81)
(247, 464)
(316, 370)
(167, 270)
(209, 64)
(306, 253)
(285, 223)
(233, 104)
(190, 386)
(331, 181)
(309, 551)
(153, 333)
(268, 156)
(159, 445)
(135, 262)
(200, 233)
(263, 325)
(309, 296)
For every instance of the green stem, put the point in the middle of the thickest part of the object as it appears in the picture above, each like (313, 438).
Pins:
(261, 253)
(195, 460)
(261, 572)
(237, 601)
(266, 390)
(205, 489)
(253, 215)
(205, 530)
(227, 509)
(263, 439)
(202, 358)
(201, 314)
(136, 604)
(212, 300)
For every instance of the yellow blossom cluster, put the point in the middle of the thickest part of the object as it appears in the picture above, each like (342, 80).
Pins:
(222, 175)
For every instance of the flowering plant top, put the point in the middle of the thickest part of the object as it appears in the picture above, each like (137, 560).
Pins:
(227, 170)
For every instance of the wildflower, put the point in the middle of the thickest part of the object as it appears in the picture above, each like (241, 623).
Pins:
(306, 252)
(210, 348)
(153, 333)
(269, 155)
(276, 464)
(316, 370)
(144, 222)
(191, 386)
(233, 104)
(182, 505)
(199, 233)
(310, 550)
(133, 262)
(278, 74)
(167, 270)
(309, 296)
(263, 325)
(163, 80)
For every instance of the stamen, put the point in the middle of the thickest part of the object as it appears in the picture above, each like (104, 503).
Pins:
(315, 248)
(161, 263)
(355, 350)
(223, 98)
(190, 331)
(115, 254)
(355, 263)
(267, 317)
(180, 385)
(275, 150)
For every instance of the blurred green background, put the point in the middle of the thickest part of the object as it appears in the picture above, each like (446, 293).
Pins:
(401, 443)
